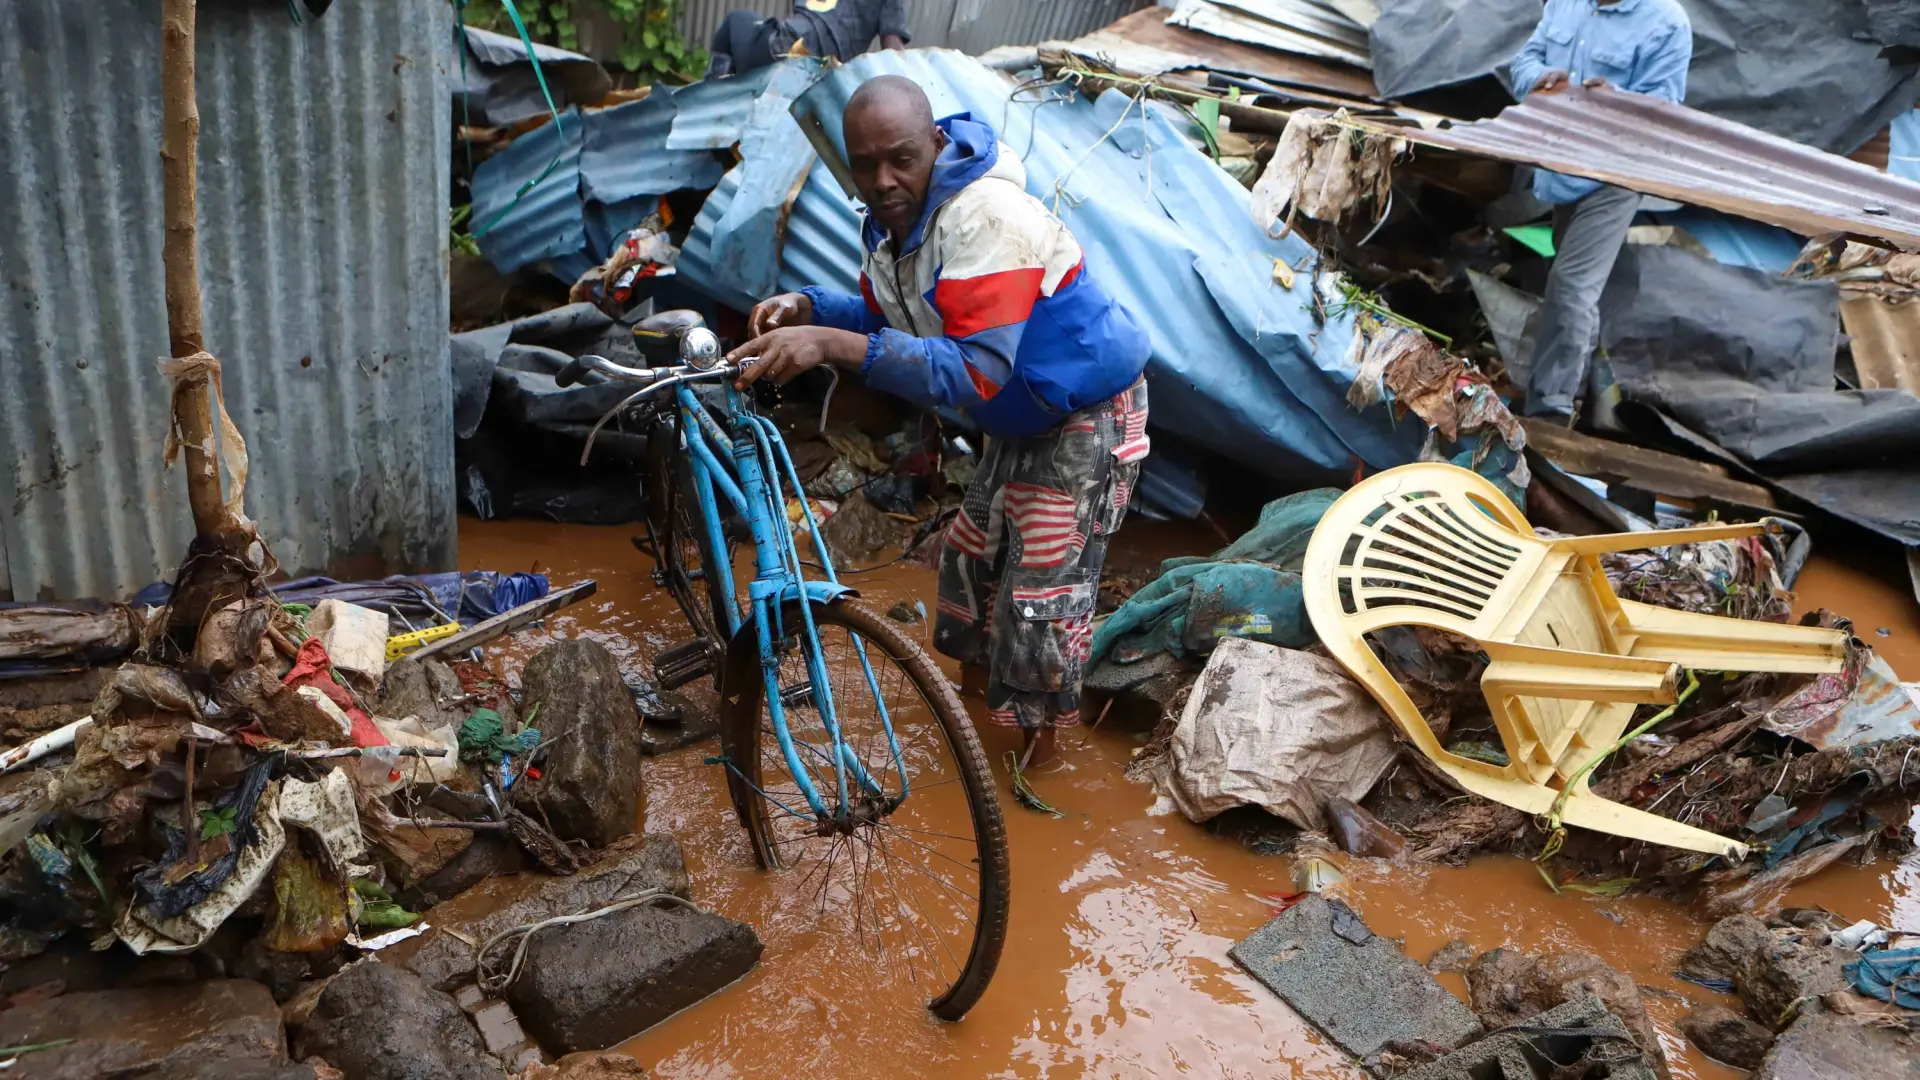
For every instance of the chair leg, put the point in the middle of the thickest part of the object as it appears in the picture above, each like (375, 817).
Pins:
(1590, 811)
(1640, 541)
(1715, 643)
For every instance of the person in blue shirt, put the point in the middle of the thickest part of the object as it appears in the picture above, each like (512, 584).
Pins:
(842, 29)
(1641, 46)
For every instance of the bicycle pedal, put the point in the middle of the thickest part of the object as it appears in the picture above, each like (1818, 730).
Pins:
(683, 664)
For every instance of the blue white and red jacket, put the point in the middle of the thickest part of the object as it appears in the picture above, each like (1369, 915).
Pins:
(987, 307)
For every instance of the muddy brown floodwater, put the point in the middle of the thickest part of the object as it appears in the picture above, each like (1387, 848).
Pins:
(1116, 963)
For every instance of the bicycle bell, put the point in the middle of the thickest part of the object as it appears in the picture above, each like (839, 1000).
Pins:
(700, 349)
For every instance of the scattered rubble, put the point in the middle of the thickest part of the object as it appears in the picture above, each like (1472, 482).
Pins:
(1580, 1038)
(1823, 1045)
(1507, 987)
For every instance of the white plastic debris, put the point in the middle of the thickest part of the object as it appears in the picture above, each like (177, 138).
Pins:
(355, 637)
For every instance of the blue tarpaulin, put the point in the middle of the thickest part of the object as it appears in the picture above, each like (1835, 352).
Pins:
(614, 165)
(1242, 365)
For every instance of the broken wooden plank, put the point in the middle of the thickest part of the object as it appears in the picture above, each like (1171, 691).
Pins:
(506, 622)
(1638, 467)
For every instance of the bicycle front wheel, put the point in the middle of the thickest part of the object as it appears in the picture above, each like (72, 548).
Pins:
(914, 871)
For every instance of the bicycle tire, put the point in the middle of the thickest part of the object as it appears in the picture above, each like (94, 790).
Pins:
(680, 544)
(748, 742)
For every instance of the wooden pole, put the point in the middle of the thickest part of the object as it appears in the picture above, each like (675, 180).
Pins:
(180, 135)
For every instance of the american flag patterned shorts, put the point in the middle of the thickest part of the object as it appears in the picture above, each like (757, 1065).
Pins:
(1020, 568)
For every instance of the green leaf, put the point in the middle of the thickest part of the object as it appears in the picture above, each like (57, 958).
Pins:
(650, 39)
(660, 63)
(675, 49)
(1610, 888)
(632, 57)
(217, 821)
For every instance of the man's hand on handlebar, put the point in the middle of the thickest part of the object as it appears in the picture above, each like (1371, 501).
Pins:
(784, 353)
(787, 309)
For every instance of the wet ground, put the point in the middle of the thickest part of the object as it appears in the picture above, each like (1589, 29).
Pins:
(1116, 964)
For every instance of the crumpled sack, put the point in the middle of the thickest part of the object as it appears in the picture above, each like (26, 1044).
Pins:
(1326, 169)
(1273, 728)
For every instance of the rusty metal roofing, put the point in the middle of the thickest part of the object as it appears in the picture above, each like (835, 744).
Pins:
(1148, 28)
(1669, 150)
(1886, 339)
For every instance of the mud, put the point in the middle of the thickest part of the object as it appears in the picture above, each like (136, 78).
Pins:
(1116, 964)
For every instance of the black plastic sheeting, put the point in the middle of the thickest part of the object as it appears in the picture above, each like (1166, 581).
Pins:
(1743, 362)
(520, 432)
(1809, 70)
(1421, 45)
(499, 86)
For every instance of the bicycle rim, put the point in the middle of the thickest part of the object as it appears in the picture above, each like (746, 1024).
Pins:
(922, 891)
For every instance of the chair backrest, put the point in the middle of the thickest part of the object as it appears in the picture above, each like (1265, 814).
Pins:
(1422, 544)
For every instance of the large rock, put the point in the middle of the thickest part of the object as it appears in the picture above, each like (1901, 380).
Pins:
(595, 984)
(377, 1022)
(1507, 987)
(589, 788)
(130, 1032)
(1780, 979)
(1823, 1046)
(1725, 1035)
(1729, 947)
(634, 864)
(1772, 971)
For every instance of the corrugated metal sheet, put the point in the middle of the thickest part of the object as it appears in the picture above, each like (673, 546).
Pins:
(1148, 29)
(1886, 339)
(616, 163)
(968, 25)
(1239, 362)
(1672, 151)
(979, 25)
(1307, 27)
(323, 246)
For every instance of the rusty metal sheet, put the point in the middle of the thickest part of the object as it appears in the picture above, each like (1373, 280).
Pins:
(1659, 148)
(1886, 340)
(1882, 708)
(1148, 27)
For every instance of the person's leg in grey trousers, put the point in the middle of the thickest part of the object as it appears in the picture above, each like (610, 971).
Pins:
(1587, 236)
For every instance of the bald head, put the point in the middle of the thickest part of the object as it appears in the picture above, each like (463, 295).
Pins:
(892, 144)
(890, 95)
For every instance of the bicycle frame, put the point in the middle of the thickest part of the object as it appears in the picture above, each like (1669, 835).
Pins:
(747, 466)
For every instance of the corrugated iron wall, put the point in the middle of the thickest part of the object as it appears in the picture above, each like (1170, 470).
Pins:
(324, 153)
(968, 25)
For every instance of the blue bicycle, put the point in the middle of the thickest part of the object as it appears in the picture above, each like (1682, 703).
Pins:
(848, 756)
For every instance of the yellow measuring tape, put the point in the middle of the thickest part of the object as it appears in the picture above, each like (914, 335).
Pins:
(400, 645)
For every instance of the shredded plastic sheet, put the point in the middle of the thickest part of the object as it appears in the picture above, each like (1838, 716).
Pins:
(1273, 728)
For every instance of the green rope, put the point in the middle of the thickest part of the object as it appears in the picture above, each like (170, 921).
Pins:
(539, 76)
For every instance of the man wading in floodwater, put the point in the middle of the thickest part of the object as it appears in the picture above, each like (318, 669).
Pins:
(975, 297)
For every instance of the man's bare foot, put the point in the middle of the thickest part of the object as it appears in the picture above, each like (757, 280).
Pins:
(1037, 747)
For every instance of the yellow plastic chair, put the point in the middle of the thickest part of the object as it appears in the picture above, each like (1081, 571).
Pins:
(1437, 545)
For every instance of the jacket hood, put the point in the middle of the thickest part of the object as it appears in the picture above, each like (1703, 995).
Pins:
(972, 152)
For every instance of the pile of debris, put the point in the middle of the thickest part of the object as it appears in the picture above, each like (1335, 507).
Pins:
(291, 795)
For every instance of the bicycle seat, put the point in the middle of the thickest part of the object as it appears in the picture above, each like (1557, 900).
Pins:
(658, 335)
